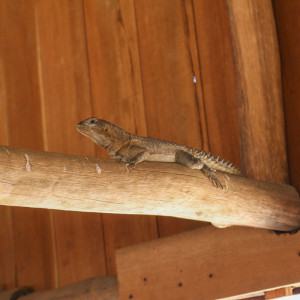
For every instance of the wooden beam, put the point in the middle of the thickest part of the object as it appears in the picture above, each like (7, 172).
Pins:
(58, 181)
(209, 263)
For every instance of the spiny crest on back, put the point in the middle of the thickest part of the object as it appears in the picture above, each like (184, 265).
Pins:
(216, 163)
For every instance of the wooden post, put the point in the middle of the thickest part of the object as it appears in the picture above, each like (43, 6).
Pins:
(258, 80)
(259, 94)
(58, 181)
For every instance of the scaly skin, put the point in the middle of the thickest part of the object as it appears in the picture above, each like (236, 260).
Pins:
(134, 149)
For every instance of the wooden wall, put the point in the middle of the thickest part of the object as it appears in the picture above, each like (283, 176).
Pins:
(132, 63)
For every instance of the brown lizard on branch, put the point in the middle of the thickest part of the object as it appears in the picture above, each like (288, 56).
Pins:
(134, 149)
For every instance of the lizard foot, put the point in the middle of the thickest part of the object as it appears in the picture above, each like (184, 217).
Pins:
(215, 181)
(209, 173)
(129, 165)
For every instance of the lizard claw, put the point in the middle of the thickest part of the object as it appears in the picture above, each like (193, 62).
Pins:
(209, 173)
(215, 181)
(129, 164)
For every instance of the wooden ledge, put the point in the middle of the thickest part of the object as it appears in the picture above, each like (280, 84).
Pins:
(209, 263)
(40, 179)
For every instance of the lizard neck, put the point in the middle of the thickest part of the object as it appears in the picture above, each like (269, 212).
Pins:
(112, 144)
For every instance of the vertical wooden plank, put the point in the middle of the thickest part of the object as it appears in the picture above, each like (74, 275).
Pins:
(117, 97)
(19, 67)
(168, 72)
(80, 246)
(288, 28)
(34, 261)
(258, 79)
(7, 249)
(64, 77)
(218, 80)
(112, 44)
(169, 63)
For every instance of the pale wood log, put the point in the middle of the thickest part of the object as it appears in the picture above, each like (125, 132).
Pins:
(31, 178)
(100, 288)
(209, 263)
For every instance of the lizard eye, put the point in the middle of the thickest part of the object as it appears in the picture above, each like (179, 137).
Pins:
(93, 121)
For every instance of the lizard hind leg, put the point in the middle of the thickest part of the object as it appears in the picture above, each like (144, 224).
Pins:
(193, 162)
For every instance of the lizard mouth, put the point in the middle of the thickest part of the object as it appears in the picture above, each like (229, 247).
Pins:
(88, 132)
(80, 127)
(83, 129)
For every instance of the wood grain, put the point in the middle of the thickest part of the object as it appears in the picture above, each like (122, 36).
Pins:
(80, 246)
(75, 183)
(117, 96)
(33, 246)
(258, 75)
(169, 59)
(288, 29)
(218, 78)
(18, 52)
(208, 263)
(35, 260)
(60, 63)
(168, 72)
(7, 249)
(64, 78)
(114, 62)
(258, 79)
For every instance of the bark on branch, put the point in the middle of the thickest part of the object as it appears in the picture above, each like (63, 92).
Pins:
(58, 181)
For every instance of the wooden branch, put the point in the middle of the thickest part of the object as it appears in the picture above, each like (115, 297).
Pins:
(209, 263)
(58, 181)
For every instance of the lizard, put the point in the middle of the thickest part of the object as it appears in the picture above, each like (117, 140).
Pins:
(133, 149)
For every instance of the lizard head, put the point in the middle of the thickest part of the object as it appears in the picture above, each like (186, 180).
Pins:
(101, 132)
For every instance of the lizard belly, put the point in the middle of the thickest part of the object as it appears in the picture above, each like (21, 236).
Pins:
(161, 157)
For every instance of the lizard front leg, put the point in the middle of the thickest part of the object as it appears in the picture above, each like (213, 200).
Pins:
(193, 162)
(135, 155)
